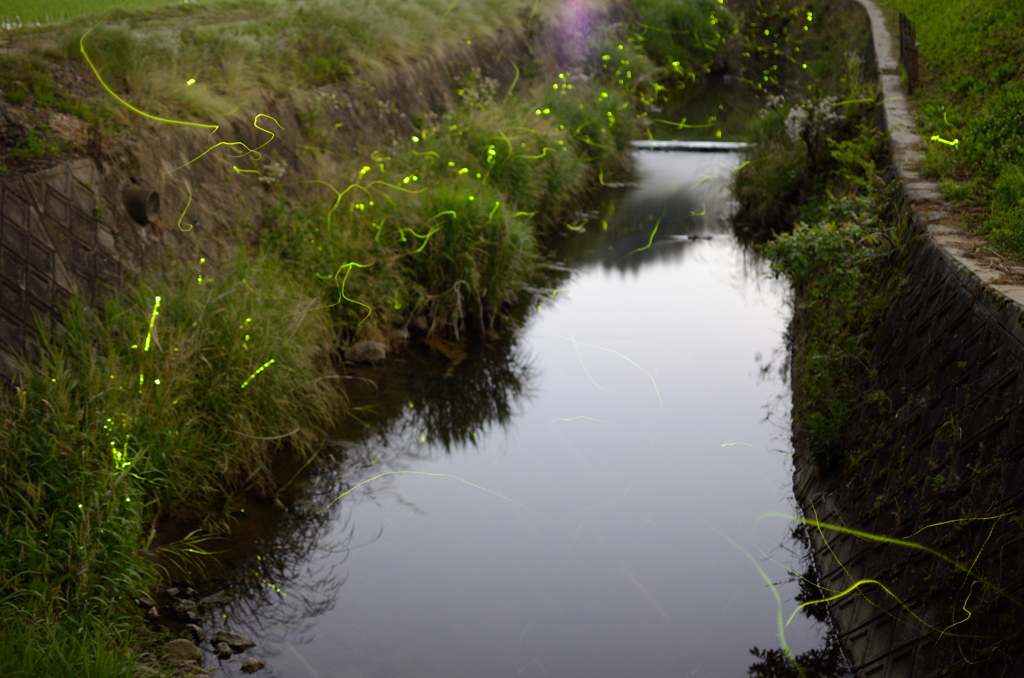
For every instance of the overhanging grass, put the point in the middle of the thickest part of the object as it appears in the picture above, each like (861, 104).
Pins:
(972, 91)
(103, 436)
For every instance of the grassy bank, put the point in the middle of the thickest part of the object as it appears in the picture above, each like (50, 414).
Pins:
(815, 186)
(971, 94)
(170, 399)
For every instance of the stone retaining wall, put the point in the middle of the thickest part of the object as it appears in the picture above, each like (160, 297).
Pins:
(949, 357)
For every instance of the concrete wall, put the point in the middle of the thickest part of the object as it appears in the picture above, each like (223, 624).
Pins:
(52, 243)
(949, 357)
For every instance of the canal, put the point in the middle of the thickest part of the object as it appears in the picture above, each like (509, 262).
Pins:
(584, 496)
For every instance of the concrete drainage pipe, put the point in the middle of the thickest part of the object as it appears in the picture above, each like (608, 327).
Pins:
(142, 203)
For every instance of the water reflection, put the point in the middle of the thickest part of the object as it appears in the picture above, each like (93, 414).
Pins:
(553, 501)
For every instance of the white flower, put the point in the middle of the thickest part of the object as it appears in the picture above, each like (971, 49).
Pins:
(795, 122)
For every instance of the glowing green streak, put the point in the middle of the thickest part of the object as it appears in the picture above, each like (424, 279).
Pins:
(577, 228)
(248, 150)
(496, 205)
(450, 8)
(514, 80)
(575, 418)
(778, 602)
(853, 588)
(602, 348)
(242, 171)
(580, 355)
(340, 194)
(81, 47)
(511, 150)
(544, 152)
(253, 375)
(424, 473)
(185, 211)
(854, 101)
(152, 319)
(702, 180)
(740, 442)
(397, 188)
(867, 536)
(341, 290)
(957, 520)
(524, 214)
(682, 124)
(651, 241)
(424, 238)
(954, 142)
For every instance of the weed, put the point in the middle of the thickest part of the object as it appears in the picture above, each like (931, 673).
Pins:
(832, 261)
(961, 192)
(978, 102)
(36, 145)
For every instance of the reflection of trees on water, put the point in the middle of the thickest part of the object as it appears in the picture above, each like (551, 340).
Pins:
(279, 566)
(430, 401)
(618, 235)
(826, 661)
(283, 562)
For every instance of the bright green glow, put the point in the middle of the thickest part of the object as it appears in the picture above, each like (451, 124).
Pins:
(341, 286)
(341, 194)
(729, 443)
(575, 418)
(651, 241)
(778, 603)
(253, 375)
(152, 319)
(602, 348)
(544, 152)
(867, 536)
(954, 142)
(514, 80)
(424, 238)
(81, 47)
(436, 475)
(185, 211)
(682, 124)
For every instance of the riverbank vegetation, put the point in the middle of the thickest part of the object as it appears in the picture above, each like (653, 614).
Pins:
(816, 186)
(837, 260)
(171, 398)
(970, 104)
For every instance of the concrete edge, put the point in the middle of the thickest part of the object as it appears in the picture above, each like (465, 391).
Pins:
(967, 254)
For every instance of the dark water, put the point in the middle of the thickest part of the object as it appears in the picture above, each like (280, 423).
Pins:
(585, 497)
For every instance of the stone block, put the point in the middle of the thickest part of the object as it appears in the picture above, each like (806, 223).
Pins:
(15, 238)
(11, 300)
(901, 663)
